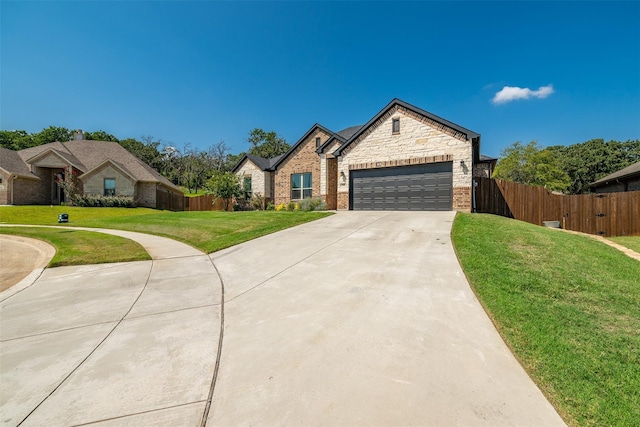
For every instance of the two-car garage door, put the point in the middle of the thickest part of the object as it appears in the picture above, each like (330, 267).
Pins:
(426, 187)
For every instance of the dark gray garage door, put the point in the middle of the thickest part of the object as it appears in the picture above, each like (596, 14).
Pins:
(406, 188)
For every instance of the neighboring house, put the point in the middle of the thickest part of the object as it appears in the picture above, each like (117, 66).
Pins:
(627, 179)
(30, 176)
(484, 167)
(404, 158)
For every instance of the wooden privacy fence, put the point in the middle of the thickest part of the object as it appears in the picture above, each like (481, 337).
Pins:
(207, 202)
(606, 214)
(169, 200)
(178, 202)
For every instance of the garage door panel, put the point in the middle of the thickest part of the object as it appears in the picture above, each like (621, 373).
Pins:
(417, 187)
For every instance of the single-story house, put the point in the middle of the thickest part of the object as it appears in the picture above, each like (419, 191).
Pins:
(627, 179)
(403, 158)
(31, 176)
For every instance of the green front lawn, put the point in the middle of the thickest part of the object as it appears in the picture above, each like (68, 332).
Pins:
(208, 231)
(569, 308)
(76, 247)
(631, 242)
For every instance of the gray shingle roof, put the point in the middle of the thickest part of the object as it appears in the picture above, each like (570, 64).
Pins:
(11, 162)
(348, 132)
(622, 174)
(86, 155)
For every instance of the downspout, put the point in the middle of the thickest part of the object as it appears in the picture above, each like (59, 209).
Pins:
(473, 194)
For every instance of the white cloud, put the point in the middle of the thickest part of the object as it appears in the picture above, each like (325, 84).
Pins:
(512, 93)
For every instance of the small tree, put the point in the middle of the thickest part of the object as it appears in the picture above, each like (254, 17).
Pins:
(69, 184)
(225, 186)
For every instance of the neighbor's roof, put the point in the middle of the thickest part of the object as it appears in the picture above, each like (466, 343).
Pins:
(622, 174)
(397, 102)
(87, 155)
(13, 164)
(484, 158)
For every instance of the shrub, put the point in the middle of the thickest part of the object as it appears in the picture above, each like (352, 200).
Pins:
(257, 202)
(314, 204)
(281, 207)
(292, 206)
(97, 200)
(270, 206)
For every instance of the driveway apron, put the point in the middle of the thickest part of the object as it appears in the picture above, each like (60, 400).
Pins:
(114, 344)
(363, 319)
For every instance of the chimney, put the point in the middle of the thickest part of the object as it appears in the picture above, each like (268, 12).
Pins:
(78, 135)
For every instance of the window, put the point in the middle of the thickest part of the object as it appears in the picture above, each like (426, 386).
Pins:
(247, 185)
(109, 186)
(317, 141)
(395, 125)
(300, 186)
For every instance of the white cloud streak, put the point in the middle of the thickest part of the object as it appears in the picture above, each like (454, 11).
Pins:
(513, 93)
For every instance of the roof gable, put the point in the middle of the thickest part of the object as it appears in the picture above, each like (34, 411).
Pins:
(428, 118)
(64, 158)
(299, 142)
(106, 163)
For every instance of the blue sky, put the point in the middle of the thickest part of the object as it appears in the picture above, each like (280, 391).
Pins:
(200, 72)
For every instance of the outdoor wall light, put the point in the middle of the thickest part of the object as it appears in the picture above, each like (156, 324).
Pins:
(461, 163)
(342, 175)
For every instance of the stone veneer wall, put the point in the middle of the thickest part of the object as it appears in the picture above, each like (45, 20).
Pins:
(94, 183)
(419, 137)
(323, 166)
(260, 180)
(303, 159)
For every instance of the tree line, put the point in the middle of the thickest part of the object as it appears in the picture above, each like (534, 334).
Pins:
(188, 167)
(568, 169)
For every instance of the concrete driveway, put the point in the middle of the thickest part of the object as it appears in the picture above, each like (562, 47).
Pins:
(362, 318)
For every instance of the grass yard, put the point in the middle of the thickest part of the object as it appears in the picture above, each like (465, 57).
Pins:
(631, 242)
(569, 308)
(207, 231)
(76, 247)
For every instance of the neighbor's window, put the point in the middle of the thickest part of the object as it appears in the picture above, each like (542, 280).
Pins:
(247, 185)
(395, 126)
(317, 141)
(109, 186)
(300, 186)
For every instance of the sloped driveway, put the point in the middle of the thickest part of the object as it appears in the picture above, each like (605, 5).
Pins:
(361, 318)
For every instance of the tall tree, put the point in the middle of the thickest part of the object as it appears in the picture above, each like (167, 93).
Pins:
(53, 134)
(146, 151)
(528, 164)
(594, 159)
(16, 139)
(100, 135)
(266, 144)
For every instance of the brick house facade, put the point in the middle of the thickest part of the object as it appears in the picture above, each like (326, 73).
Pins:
(394, 161)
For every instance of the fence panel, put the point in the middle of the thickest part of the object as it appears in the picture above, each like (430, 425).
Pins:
(206, 202)
(607, 214)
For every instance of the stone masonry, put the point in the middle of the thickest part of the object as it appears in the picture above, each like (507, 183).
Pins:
(260, 180)
(418, 141)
